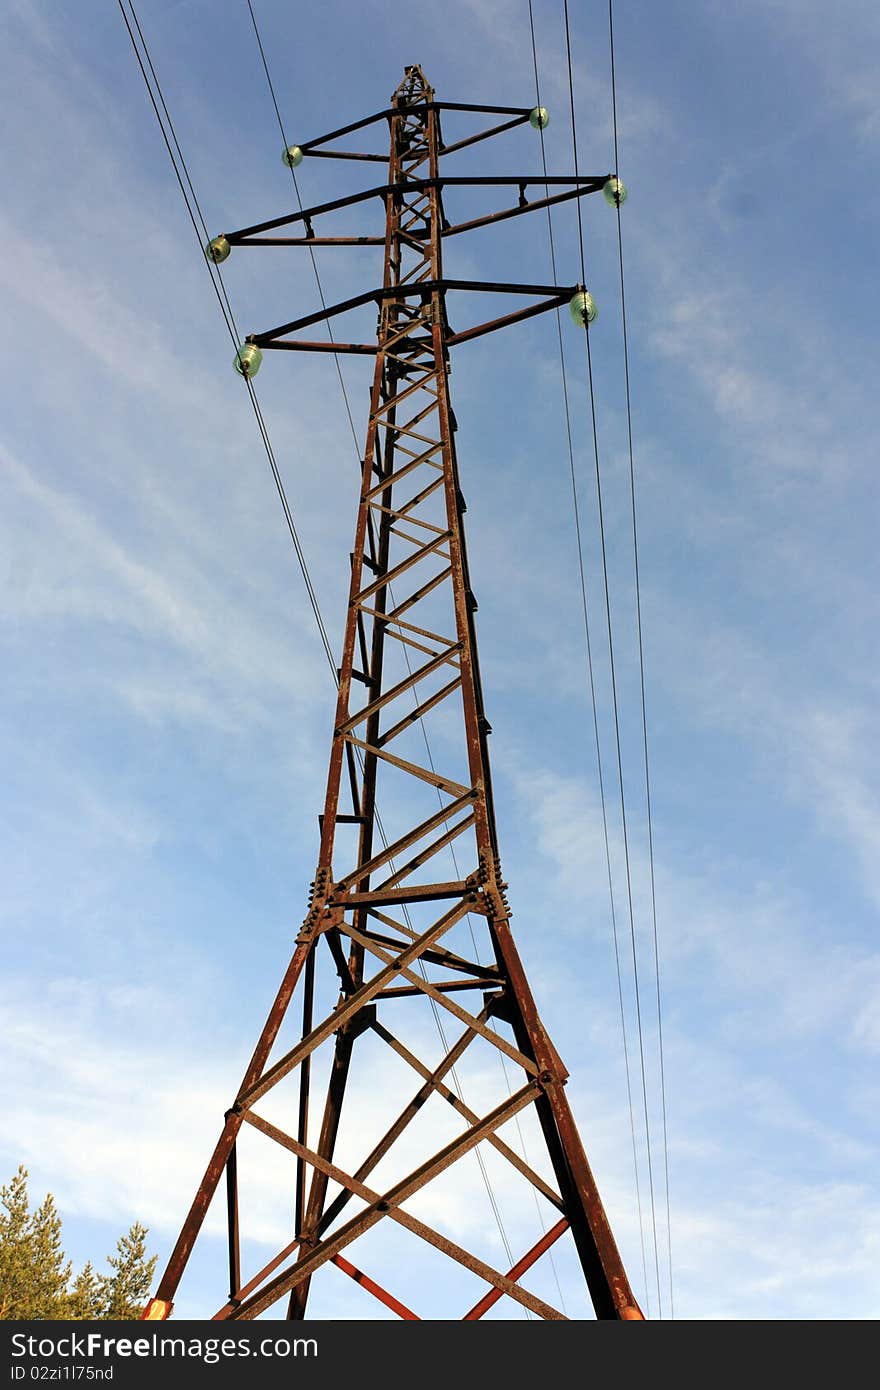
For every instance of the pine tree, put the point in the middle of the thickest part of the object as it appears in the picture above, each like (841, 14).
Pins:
(33, 1271)
(84, 1298)
(35, 1275)
(124, 1293)
(13, 1235)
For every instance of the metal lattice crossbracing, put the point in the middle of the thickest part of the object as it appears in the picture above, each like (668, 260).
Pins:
(392, 954)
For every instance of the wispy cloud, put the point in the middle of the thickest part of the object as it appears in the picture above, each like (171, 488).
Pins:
(767, 953)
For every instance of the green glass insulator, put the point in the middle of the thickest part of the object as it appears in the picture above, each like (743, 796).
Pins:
(247, 360)
(583, 308)
(217, 249)
(614, 191)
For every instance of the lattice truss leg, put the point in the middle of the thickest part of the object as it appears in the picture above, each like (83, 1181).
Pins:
(404, 1035)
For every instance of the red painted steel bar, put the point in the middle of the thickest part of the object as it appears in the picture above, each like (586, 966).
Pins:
(375, 1289)
(491, 1298)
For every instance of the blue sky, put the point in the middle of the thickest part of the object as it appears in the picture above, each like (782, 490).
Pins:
(165, 703)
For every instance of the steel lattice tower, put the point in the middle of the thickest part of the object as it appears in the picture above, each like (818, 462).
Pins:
(396, 937)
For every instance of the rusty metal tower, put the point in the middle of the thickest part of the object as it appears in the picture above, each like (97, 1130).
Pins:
(399, 938)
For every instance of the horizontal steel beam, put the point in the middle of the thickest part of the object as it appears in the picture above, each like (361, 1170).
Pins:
(445, 987)
(385, 114)
(310, 146)
(411, 185)
(483, 135)
(312, 241)
(491, 218)
(470, 106)
(467, 334)
(346, 154)
(438, 955)
(301, 345)
(415, 893)
(421, 289)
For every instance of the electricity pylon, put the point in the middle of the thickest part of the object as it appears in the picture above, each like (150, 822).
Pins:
(400, 939)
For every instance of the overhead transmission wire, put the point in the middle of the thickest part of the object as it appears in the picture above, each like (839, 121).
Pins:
(590, 665)
(196, 218)
(632, 487)
(590, 672)
(592, 405)
(436, 1012)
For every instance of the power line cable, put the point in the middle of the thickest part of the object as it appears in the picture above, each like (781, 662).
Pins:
(223, 302)
(632, 484)
(590, 672)
(592, 401)
(592, 692)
